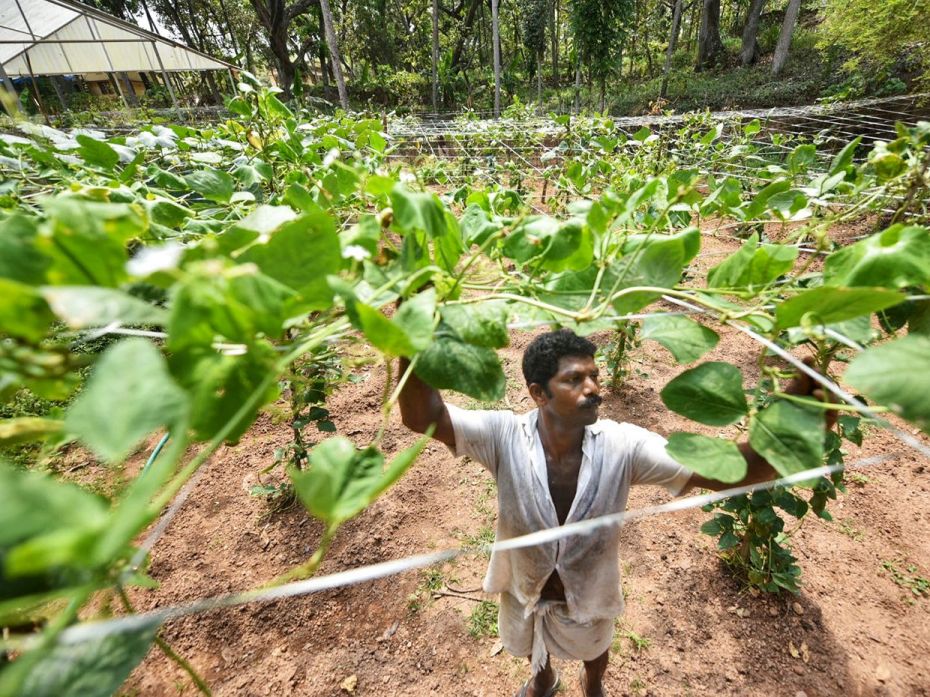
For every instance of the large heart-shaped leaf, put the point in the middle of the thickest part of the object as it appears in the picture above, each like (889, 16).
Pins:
(711, 393)
(789, 436)
(129, 395)
(828, 305)
(686, 339)
(713, 458)
(897, 375)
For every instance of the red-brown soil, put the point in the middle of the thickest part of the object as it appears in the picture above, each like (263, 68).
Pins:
(855, 630)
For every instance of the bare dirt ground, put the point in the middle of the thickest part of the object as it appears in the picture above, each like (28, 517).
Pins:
(689, 629)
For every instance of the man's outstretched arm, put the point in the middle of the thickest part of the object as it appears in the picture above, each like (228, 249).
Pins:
(757, 467)
(422, 405)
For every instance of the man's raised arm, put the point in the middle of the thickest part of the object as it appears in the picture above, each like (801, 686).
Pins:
(422, 405)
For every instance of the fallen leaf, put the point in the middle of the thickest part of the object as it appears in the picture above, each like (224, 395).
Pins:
(793, 650)
(805, 652)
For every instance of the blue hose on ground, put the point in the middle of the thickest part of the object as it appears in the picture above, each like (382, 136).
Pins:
(161, 444)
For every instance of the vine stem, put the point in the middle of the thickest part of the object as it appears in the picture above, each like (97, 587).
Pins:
(309, 567)
(829, 406)
(168, 650)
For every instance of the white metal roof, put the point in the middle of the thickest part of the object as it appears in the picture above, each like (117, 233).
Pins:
(61, 37)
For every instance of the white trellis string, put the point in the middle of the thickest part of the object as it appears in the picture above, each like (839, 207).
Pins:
(94, 631)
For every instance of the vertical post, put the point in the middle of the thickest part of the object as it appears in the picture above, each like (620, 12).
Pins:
(496, 50)
(164, 75)
(10, 89)
(672, 45)
(35, 89)
(106, 53)
(435, 56)
(232, 81)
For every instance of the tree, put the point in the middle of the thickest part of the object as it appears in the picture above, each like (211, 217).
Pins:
(277, 17)
(535, 18)
(784, 39)
(435, 55)
(672, 45)
(496, 48)
(878, 34)
(600, 29)
(710, 47)
(329, 28)
(750, 48)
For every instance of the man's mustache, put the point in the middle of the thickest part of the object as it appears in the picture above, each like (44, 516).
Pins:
(594, 400)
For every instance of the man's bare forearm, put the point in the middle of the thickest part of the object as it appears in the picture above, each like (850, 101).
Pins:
(421, 406)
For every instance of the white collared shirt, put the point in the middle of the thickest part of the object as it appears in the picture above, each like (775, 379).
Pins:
(614, 457)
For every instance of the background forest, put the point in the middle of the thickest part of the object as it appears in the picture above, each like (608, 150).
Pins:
(624, 56)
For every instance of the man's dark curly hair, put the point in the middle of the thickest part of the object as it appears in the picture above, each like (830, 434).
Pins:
(541, 358)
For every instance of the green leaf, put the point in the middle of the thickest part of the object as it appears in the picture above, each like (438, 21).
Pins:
(752, 266)
(801, 158)
(266, 219)
(713, 458)
(342, 481)
(92, 668)
(19, 258)
(23, 312)
(376, 142)
(219, 384)
(896, 375)
(95, 152)
(481, 324)
(301, 254)
(417, 211)
(129, 395)
(827, 305)
(89, 306)
(844, 157)
(711, 393)
(450, 363)
(686, 339)
(650, 260)
(86, 240)
(212, 184)
(32, 503)
(788, 436)
(895, 258)
(407, 333)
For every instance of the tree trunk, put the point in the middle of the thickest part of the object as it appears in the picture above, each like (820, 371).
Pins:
(784, 39)
(496, 49)
(539, 80)
(334, 53)
(710, 47)
(435, 56)
(672, 45)
(577, 103)
(750, 50)
(554, 37)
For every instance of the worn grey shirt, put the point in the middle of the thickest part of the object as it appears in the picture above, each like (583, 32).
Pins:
(614, 457)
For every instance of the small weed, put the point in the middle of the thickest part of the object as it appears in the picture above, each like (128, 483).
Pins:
(857, 478)
(908, 579)
(637, 686)
(479, 541)
(850, 530)
(482, 623)
(638, 642)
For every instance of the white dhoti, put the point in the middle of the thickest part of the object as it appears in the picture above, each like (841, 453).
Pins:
(547, 629)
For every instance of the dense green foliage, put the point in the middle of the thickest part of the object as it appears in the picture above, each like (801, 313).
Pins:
(839, 50)
(224, 264)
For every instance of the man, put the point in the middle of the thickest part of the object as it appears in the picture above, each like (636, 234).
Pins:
(558, 464)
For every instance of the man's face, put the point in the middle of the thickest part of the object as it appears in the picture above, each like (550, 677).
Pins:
(574, 392)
